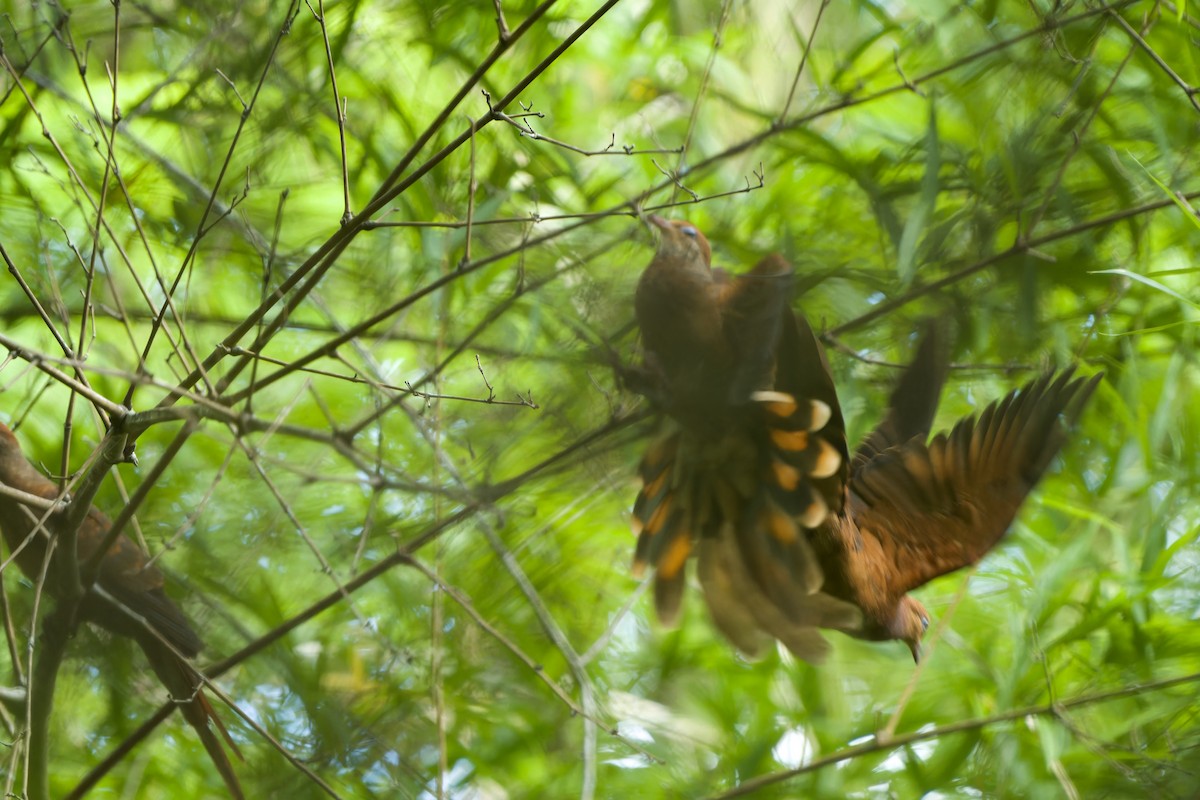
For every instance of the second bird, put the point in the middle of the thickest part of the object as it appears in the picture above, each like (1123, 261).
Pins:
(127, 599)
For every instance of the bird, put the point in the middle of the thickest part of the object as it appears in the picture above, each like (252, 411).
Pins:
(918, 509)
(750, 457)
(856, 534)
(127, 598)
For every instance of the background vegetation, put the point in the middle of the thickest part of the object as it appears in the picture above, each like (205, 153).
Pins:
(397, 238)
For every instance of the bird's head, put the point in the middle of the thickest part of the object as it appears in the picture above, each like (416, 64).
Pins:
(8, 443)
(680, 242)
(14, 468)
(910, 624)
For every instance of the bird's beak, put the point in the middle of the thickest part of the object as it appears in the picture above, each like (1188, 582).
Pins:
(659, 228)
(915, 647)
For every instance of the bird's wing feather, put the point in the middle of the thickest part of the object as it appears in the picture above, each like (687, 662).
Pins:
(913, 402)
(125, 573)
(803, 371)
(753, 306)
(936, 508)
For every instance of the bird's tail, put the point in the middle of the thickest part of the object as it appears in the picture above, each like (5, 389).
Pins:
(182, 681)
(744, 502)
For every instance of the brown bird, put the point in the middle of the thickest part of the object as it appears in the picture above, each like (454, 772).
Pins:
(750, 458)
(127, 598)
(919, 509)
(901, 513)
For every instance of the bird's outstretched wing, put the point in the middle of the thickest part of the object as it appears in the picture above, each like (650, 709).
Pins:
(936, 508)
(913, 402)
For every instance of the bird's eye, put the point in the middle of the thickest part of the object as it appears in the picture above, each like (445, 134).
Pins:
(688, 230)
(924, 623)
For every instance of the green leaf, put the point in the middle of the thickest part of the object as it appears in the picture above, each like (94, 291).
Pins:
(922, 210)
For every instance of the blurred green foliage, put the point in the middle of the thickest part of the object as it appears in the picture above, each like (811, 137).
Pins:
(1026, 170)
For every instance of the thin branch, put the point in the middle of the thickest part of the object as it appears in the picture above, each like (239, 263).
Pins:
(339, 106)
(1078, 136)
(472, 188)
(285, 27)
(701, 94)
(1018, 248)
(488, 495)
(880, 745)
(787, 106)
(526, 131)
(314, 269)
(1189, 91)
(467, 606)
(501, 24)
